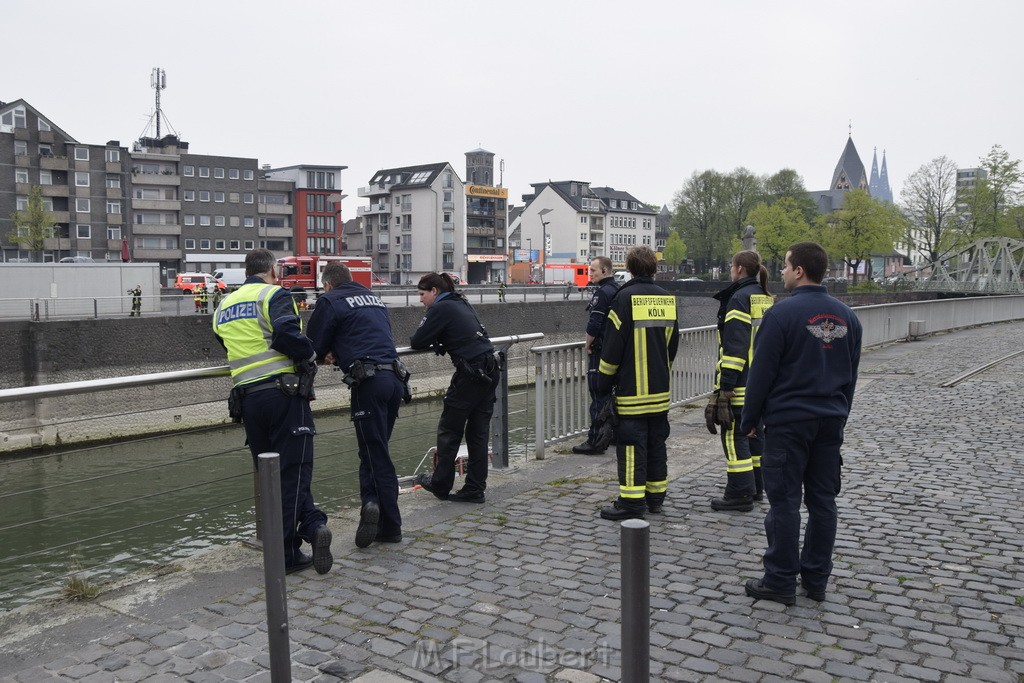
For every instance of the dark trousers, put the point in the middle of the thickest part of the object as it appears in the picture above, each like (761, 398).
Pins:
(756, 445)
(275, 423)
(597, 399)
(642, 460)
(468, 406)
(739, 467)
(374, 411)
(801, 463)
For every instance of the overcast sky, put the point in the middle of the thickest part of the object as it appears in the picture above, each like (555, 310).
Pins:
(633, 94)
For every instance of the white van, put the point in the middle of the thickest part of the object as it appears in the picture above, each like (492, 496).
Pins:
(622, 277)
(232, 277)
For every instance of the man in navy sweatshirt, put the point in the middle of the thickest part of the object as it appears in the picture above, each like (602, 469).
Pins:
(801, 385)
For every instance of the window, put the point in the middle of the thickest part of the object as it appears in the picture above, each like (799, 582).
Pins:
(204, 244)
(218, 197)
(113, 207)
(233, 173)
(233, 221)
(113, 181)
(42, 124)
(81, 179)
(219, 221)
(249, 245)
(188, 171)
(113, 233)
(21, 148)
(84, 231)
(81, 154)
(204, 220)
(219, 245)
(113, 155)
(247, 174)
(233, 197)
(13, 119)
(233, 245)
(218, 173)
(247, 197)
(583, 236)
(188, 195)
(447, 179)
(323, 180)
(21, 176)
(190, 244)
(421, 176)
(204, 195)
(447, 195)
(204, 172)
(190, 219)
(21, 203)
(82, 205)
(249, 222)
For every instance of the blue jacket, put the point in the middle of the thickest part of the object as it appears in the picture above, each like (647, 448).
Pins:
(353, 323)
(806, 355)
(451, 321)
(599, 306)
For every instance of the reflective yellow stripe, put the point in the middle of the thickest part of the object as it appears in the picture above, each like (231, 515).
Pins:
(606, 368)
(614, 319)
(630, 464)
(640, 359)
(737, 315)
(633, 400)
(651, 409)
(631, 492)
(739, 466)
(657, 486)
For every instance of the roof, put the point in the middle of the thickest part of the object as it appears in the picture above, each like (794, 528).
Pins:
(607, 193)
(849, 173)
(19, 102)
(410, 176)
(479, 150)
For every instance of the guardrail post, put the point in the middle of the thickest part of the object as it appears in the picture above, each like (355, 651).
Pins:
(538, 403)
(95, 308)
(636, 600)
(257, 502)
(273, 568)
(499, 418)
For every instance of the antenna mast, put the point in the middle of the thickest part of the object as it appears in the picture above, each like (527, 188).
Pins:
(158, 81)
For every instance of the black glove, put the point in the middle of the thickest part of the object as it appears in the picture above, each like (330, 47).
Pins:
(709, 413)
(723, 408)
(438, 348)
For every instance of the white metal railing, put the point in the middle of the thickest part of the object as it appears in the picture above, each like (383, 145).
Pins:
(560, 371)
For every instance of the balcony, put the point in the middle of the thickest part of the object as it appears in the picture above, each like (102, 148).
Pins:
(156, 204)
(383, 247)
(21, 161)
(55, 243)
(139, 254)
(373, 209)
(61, 216)
(375, 190)
(53, 163)
(447, 205)
(276, 232)
(114, 193)
(596, 243)
(55, 190)
(489, 232)
(114, 167)
(156, 179)
(276, 209)
(114, 245)
(477, 211)
(448, 246)
(155, 229)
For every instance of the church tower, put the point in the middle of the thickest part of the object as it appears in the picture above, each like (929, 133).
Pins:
(849, 173)
(884, 192)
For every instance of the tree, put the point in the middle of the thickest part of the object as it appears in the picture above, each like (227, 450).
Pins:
(675, 249)
(929, 199)
(741, 191)
(787, 183)
(698, 218)
(862, 227)
(987, 204)
(33, 225)
(778, 226)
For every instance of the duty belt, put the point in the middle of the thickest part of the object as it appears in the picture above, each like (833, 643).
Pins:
(259, 386)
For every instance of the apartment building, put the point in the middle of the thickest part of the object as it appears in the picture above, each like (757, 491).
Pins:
(83, 186)
(628, 223)
(317, 206)
(486, 220)
(414, 224)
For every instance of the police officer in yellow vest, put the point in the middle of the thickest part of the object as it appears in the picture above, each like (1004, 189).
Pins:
(272, 367)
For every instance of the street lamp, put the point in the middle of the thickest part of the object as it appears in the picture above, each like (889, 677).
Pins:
(529, 246)
(544, 234)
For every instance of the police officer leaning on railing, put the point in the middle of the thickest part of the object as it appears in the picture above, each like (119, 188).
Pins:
(272, 368)
(597, 314)
(350, 329)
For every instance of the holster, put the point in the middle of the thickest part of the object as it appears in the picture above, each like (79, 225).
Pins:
(358, 372)
(480, 369)
(235, 399)
(404, 375)
(306, 377)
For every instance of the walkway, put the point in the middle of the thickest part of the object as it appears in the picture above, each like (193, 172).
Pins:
(928, 583)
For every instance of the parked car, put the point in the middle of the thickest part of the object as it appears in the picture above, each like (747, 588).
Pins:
(77, 259)
(188, 282)
(689, 279)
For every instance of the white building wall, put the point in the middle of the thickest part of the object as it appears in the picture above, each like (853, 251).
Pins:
(563, 225)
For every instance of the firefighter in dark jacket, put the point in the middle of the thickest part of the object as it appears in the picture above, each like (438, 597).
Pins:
(801, 388)
(350, 329)
(451, 326)
(640, 343)
(272, 369)
(741, 307)
(600, 303)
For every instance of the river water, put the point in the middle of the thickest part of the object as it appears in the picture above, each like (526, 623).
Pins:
(105, 511)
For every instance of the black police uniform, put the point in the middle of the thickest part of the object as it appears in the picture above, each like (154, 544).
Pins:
(599, 306)
(277, 423)
(353, 323)
(451, 326)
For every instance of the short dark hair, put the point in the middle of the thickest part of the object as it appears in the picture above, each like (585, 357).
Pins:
(811, 257)
(603, 262)
(641, 262)
(259, 261)
(336, 273)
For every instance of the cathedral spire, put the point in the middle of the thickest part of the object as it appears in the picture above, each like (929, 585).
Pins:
(885, 193)
(873, 185)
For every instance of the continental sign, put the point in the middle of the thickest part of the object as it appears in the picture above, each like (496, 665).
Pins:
(484, 191)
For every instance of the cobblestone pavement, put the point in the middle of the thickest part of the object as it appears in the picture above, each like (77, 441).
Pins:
(928, 582)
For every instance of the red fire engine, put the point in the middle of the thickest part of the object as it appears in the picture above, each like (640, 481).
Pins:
(307, 271)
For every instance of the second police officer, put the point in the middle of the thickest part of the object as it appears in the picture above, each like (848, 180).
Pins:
(451, 326)
(601, 275)
(350, 328)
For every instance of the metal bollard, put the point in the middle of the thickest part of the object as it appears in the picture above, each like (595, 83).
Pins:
(499, 419)
(636, 600)
(273, 568)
